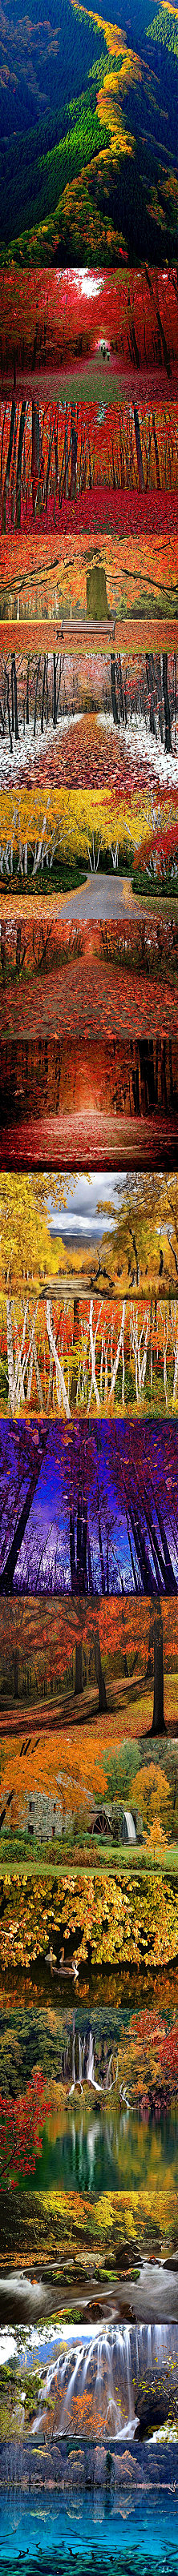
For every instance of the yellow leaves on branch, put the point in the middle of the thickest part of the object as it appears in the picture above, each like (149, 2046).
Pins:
(24, 1234)
(109, 1921)
(76, 817)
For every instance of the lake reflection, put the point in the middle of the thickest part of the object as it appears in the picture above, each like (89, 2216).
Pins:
(140, 2535)
(95, 2148)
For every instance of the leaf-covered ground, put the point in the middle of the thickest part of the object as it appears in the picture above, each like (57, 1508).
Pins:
(90, 998)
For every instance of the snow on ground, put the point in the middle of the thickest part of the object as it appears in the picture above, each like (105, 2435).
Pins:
(135, 743)
(30, 746)
(137, 740)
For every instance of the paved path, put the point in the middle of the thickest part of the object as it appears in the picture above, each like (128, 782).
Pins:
(110, 898)
(103, 898)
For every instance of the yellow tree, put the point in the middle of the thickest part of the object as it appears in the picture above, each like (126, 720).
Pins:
(152, 1795)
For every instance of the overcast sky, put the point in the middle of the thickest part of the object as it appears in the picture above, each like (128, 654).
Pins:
(80, 1214)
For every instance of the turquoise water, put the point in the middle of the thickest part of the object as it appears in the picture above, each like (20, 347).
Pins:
(92, 2148)
(85, 2535)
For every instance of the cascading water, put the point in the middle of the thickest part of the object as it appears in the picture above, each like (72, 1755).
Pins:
(129, 1825)
(94, 2381)
(86, 2063)
(91, 2078)
(90, 2062)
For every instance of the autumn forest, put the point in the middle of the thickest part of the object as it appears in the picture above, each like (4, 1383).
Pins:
(88, 1294)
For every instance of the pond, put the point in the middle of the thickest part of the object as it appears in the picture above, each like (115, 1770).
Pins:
(94, 2148)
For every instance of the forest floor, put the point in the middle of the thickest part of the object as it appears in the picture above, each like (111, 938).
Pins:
(88, 1139)
(88, 749)
(129, 1711)
(90, 995)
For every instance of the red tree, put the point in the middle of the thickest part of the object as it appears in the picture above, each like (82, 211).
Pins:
(21, 2123)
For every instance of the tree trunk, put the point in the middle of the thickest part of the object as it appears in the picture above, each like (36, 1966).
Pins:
(35, 454)
(8, 1570)
(19, 465)
(113, 690)
(73, 453)
(97, 604)
(54, 692)
(122, 702)
(150, 686)
(99, 1674)
(8, 466)
(43, 694)
(158, 1723)
(75, 1353)
(72, 1552)
(166, 705)
(158, 477)
(82, 1586)
(12, 691)
(66, 461)
(36, 694)
(138, 450)
(159, 694)
(14, 697)
(18, 948)
(78, 1668)
(8, 711)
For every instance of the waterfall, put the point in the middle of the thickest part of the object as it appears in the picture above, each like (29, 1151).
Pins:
(130, 1827)
(90, 2062)
(104, 2365)
(90, 2067)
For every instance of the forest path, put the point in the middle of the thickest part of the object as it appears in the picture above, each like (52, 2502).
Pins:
(94, 997)
(89, 1139)
(103, 898)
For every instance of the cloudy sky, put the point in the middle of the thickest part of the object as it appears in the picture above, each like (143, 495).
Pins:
(82, 1197)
